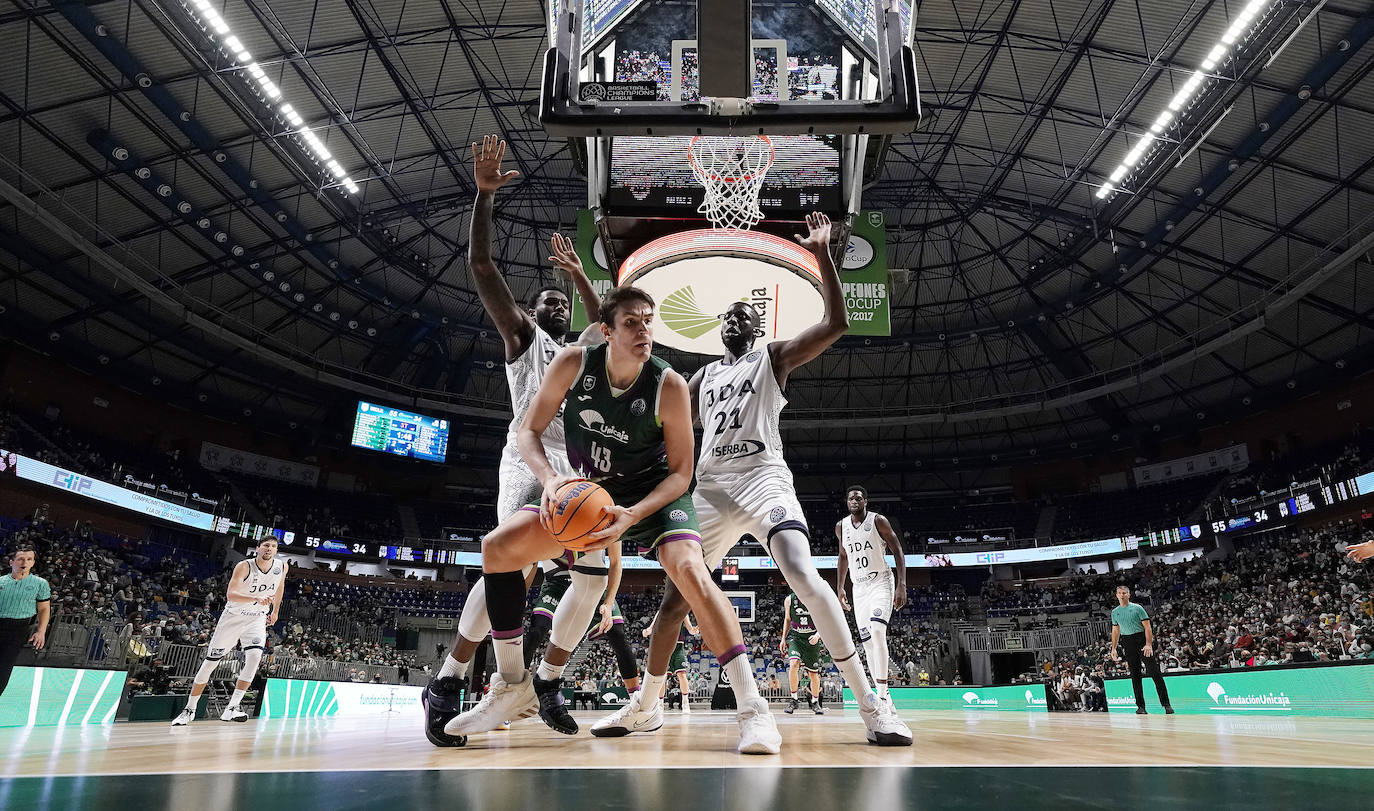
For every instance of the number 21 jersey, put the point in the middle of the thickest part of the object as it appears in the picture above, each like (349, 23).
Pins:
(739, 404)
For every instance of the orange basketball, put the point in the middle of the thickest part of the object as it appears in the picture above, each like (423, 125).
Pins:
(578, 511)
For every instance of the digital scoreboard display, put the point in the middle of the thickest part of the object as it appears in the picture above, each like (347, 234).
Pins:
(653, 176)
(400, 433)
(416, 554)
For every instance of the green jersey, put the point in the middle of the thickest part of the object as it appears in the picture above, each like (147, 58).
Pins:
(1130, 618)
(800, 618)
(615, 439)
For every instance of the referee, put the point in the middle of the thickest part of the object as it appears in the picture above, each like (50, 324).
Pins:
(1131, 628)
(22, 594)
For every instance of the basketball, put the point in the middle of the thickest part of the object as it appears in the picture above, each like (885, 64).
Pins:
(578, 511)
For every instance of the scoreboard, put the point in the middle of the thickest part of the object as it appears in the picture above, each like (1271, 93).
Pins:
(401, 433)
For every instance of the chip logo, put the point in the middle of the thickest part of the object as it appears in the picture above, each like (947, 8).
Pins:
(868, 526)
(877, 613)
(589, 382)
(679, 516)
(777, 514)
(753, 356)
(638, 406)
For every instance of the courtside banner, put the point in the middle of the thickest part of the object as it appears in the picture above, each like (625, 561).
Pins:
(1334, 690)
(301, 698)
(59, 696)
(53, 476)
(1006, 698)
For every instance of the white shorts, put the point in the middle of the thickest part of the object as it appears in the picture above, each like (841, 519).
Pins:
(239, 626)
(873, 600)
(517, 483)
(733, 505)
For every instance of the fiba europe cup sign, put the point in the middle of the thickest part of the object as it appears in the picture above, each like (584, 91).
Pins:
(696, 275)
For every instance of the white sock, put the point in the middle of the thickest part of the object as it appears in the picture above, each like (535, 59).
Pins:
(510, 658)
(794, 695)
(236, 697)
(649, 690)
(549, 672)
(191, 703)
(853, 672)
(741, 673)
(452, 668)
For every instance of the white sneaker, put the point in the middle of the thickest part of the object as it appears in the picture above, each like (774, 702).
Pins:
(758, 732)
(686, 707)
(187, 716)
(884, 727)
(630, 718)
(233, 714)
(502, 703)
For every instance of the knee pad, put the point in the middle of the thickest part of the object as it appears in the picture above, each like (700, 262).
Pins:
(577, 609)
(442, 699)
(252, 657)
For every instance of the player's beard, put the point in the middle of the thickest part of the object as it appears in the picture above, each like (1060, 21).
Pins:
(556, 331)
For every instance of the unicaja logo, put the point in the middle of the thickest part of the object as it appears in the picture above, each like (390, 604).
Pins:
(1033, 700)
(972, 699)
(1271, 702)
(682, 314)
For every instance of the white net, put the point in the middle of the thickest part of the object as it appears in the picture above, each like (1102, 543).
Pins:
(732, 171)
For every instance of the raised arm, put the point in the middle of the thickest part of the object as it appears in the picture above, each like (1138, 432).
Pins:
(895, 544)
(841, 568)
(815, 339)
(511, 320)
(565, 256)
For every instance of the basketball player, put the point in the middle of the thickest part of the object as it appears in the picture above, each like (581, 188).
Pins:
(609, 624)
(628, 423)
(863, 536)
(252, 603)
(745, 488)
(1131, 629)
(802, 645)
(532, 337)
(677, 663)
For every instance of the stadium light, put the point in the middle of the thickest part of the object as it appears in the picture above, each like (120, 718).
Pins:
(1239, 28)
(270, 90)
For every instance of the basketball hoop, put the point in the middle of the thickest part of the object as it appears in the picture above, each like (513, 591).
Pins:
(731, 169)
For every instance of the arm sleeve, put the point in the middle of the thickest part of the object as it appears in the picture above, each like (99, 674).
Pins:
(44, 592)
(1144, 615)
(1114, 622)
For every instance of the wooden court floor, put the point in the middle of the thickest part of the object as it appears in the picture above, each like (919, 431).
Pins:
(960, 760)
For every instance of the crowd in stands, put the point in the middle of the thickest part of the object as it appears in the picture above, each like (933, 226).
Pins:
(1342, 457)
(324, 512)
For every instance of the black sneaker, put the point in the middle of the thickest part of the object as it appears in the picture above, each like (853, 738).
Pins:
(816, 707)
(791, 706)
(442, 699)
(1168, 710)
(551, 707)
(1141, 711)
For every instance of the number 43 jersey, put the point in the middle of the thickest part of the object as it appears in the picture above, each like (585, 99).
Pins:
(740, 404)
(615, 439)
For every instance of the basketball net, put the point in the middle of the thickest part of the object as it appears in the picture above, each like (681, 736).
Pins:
(731, 169)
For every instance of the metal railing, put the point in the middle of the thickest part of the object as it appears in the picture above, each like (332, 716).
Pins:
(1067, 636)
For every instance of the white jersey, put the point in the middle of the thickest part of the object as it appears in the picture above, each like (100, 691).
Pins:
(865, 547)
(739, 404)
(524, 375)
(260, 584)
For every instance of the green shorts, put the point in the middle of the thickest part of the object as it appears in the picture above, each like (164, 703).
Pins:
(616, 619)
(799, 647)
(677, 521)
(550, 594)
(678, 664)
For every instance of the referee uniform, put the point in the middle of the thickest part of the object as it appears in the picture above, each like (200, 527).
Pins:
(19, 601)
(1131, 618)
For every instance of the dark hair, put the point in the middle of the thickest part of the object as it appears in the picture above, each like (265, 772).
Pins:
(616, 296)
(539, 294)
(851, 488)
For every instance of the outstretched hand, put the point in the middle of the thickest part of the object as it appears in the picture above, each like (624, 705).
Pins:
(817, 239)
(565, 254)
(1360, 551)
(486, 164)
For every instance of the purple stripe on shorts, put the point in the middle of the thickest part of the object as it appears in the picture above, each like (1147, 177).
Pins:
(730, 655)
(495, 634)
(529, 508)
(679, 536)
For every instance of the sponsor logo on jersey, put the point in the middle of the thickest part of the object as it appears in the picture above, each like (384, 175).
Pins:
(638, 406)
(682, 314)
(588, 382)
(868, 527)
(679, 516)
(737, 450)
(777, 514)
(753, 356)
(594, 422)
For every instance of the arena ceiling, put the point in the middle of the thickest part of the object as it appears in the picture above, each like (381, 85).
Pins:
(1037, 318)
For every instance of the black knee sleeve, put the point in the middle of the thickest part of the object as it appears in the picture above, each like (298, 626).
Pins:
(536, 636)
(624, 654)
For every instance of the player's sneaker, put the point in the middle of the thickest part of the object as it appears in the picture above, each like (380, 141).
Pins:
(233, 714)
(442, 700)
(816, 706)
(185, 717)
(791, 706)
(630, 718)
(503, 702)
(884, 727)
(686, 707)
(551, 708)
(758, 732)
